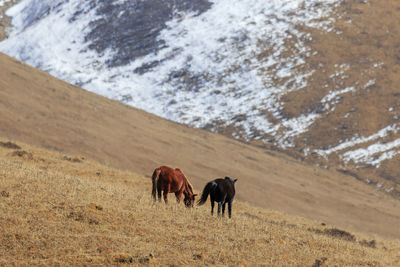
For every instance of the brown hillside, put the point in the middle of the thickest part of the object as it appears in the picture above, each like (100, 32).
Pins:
(361, 51)
(62, 210)
(43, 111)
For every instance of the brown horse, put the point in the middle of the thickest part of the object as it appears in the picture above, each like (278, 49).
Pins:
(171, 180)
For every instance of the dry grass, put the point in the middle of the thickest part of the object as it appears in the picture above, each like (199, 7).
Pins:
(39, 110)
(61, 211)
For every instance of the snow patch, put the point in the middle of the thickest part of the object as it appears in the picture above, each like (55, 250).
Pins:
(356, 140)
(3, 2)
(373, 154)
(229, 55)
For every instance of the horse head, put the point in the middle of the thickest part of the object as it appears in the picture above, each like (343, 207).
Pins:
(230, 179)
(189, 194)
(189, 199)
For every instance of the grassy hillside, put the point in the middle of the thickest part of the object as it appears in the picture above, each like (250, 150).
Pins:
(40, 110)
(60, 209)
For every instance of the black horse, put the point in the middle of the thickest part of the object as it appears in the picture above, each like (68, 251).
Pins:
(222, 191)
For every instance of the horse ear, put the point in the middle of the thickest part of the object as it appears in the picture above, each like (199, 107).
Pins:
(194, 195)
(235, 180)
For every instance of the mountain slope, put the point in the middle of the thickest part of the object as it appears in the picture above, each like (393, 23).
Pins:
(205, 65)
(315, 79)
(43, 111)
(357, 68)
(60, 209)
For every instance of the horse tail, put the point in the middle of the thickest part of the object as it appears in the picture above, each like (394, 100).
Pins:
(206, 191)
(154, 179)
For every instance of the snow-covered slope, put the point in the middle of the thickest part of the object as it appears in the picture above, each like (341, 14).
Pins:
(232, 66)
(202, 68)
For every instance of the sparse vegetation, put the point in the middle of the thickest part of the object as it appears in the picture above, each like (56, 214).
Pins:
(9, 145)
(61, 212)
(336, 233)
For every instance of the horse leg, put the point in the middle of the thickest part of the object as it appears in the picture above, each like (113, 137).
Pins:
(223, 209)
(230, 209)
(178, 196)
(165, 195)
(159, 192)
(219, 208)
(212, 207)
(166, 191)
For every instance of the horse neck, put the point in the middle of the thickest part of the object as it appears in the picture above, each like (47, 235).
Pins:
(230, 189)
(188, 188)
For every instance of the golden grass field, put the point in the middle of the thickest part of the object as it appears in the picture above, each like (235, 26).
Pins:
(64, 210)
(42, 111)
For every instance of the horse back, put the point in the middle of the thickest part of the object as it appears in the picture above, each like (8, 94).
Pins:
(166, 174)
(172, 177)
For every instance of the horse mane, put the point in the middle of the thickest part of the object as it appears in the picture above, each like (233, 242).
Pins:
(187, 181)
(190, 186)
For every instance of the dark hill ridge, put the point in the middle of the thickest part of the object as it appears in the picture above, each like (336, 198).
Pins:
(142, 20)
(43, 111)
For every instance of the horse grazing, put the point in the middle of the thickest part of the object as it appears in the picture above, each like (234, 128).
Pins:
(171, 180)
(222, 191)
